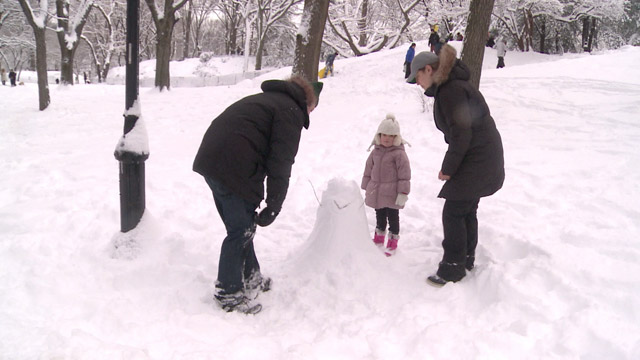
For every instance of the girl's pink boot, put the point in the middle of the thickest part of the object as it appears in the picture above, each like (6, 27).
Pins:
(378, 237)
(392, 244)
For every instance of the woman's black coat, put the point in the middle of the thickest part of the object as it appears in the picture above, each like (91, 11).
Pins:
(474, 159)
(254, 138)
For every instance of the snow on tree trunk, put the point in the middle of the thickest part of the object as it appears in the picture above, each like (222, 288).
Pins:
(66, 56)
(69, 34)
(309, 39)
(247, 40)
(476, 37)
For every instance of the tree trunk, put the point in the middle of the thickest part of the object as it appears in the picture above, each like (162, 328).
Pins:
(99, 72)
(247, 44)
(64, 32)
(528, 28)
(362, 23)
(163, 53)
(187, 35)
(165, 22)
(66, 62)
(41, 56)
(41, 68)
(476, 37)
(66, 54)
(259, 52)
(105, 70)
(231, 29)
(543, 31)
(585, 34)
(232, 41)
(592, 32)
(309, 39)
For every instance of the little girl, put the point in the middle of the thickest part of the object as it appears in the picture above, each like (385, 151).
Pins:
(387, 181)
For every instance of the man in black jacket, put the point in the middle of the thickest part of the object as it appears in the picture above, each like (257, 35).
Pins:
(434, 39)
(329, 63)
(12, 77)
(255, 138)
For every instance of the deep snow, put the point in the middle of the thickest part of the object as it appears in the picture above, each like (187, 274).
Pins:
(558, 257)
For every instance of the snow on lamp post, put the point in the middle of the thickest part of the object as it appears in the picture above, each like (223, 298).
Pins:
(133, 147)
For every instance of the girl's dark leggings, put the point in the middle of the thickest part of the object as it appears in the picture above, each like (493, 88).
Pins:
(387, 214)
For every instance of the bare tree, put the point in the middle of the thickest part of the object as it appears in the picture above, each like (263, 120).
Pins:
(229, 12)
(451, 15)
(519, 17)
(249, 14)
(368, 27)
(476, 37)
(69, 31)
(269, 13)
(102, 35)
(37, 18)
(309, 39)
(201, 12)
(4, 14)
(16, 37)
(148, 31)
(186, 29)
(165, 22)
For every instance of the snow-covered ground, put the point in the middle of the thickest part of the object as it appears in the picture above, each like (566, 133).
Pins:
(558, 263)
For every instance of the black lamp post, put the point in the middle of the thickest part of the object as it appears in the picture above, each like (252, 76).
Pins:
(132, 197)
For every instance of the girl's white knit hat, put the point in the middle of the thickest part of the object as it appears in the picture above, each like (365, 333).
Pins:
(389, 126)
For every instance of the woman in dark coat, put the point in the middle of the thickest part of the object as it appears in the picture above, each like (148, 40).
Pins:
(255, 138)
(473, 166)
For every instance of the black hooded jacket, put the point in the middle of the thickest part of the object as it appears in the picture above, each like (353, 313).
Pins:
(254, 138)
(474, 159)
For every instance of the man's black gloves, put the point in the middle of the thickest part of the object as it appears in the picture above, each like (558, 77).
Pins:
(266, 216)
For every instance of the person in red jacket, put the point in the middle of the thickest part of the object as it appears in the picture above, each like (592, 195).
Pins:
(255, 138)
(473, 166)
(387, 181)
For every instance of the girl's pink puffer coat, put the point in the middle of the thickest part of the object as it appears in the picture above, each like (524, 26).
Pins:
(387, 173)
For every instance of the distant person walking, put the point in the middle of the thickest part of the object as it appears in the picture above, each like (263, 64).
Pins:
(253, 140)
(408, 59)
(501, 47)
(329, 63)
(434, 39)
(12, 77)
(473, 165)
(3, 75)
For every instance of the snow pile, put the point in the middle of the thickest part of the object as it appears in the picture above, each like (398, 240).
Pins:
(339, 256)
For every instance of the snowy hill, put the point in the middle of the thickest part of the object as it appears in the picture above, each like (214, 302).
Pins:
(558, 256)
